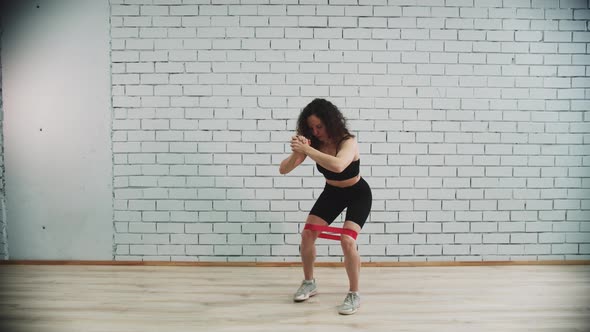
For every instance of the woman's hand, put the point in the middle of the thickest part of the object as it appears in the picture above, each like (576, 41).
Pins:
(300, 144)
(303, 139)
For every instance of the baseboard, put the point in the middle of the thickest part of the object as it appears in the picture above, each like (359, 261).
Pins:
(287, 264)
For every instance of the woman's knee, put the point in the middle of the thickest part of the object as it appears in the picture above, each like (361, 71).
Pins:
(348, 243)
(308, 236)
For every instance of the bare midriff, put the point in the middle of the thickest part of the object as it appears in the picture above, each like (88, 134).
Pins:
(344, 183)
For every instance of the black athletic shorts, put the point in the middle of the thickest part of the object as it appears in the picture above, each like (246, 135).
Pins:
(357, 199)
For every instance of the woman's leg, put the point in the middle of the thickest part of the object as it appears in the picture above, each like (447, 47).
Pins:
(308, 252)
(359, 211)
(308, 286)
(352, 259)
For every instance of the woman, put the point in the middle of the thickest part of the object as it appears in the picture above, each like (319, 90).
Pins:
(322, 135)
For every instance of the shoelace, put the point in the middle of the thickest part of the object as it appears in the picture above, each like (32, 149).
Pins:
(349, 299)
(305, 288)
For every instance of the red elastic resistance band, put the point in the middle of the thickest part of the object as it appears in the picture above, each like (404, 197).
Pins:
(327, 232)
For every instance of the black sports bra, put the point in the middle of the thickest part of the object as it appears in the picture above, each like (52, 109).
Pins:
(349, 172)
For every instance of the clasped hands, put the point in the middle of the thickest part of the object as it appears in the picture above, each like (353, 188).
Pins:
(300, 144)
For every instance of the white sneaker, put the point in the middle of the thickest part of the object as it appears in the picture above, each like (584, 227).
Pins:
(307, 289)
(351, 304)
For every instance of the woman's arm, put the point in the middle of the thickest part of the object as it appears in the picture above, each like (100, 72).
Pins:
(289, 164)
(336, 163)
(294, 160)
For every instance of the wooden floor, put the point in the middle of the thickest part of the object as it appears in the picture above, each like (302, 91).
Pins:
(168, 298)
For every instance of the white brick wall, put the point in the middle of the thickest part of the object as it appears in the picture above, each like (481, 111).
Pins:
(472, 117)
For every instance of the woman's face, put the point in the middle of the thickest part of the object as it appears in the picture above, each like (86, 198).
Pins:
(317, 128)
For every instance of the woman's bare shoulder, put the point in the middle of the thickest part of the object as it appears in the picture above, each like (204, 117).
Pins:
(348, 140)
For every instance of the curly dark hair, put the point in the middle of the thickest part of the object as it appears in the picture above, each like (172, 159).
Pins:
(331, 117)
